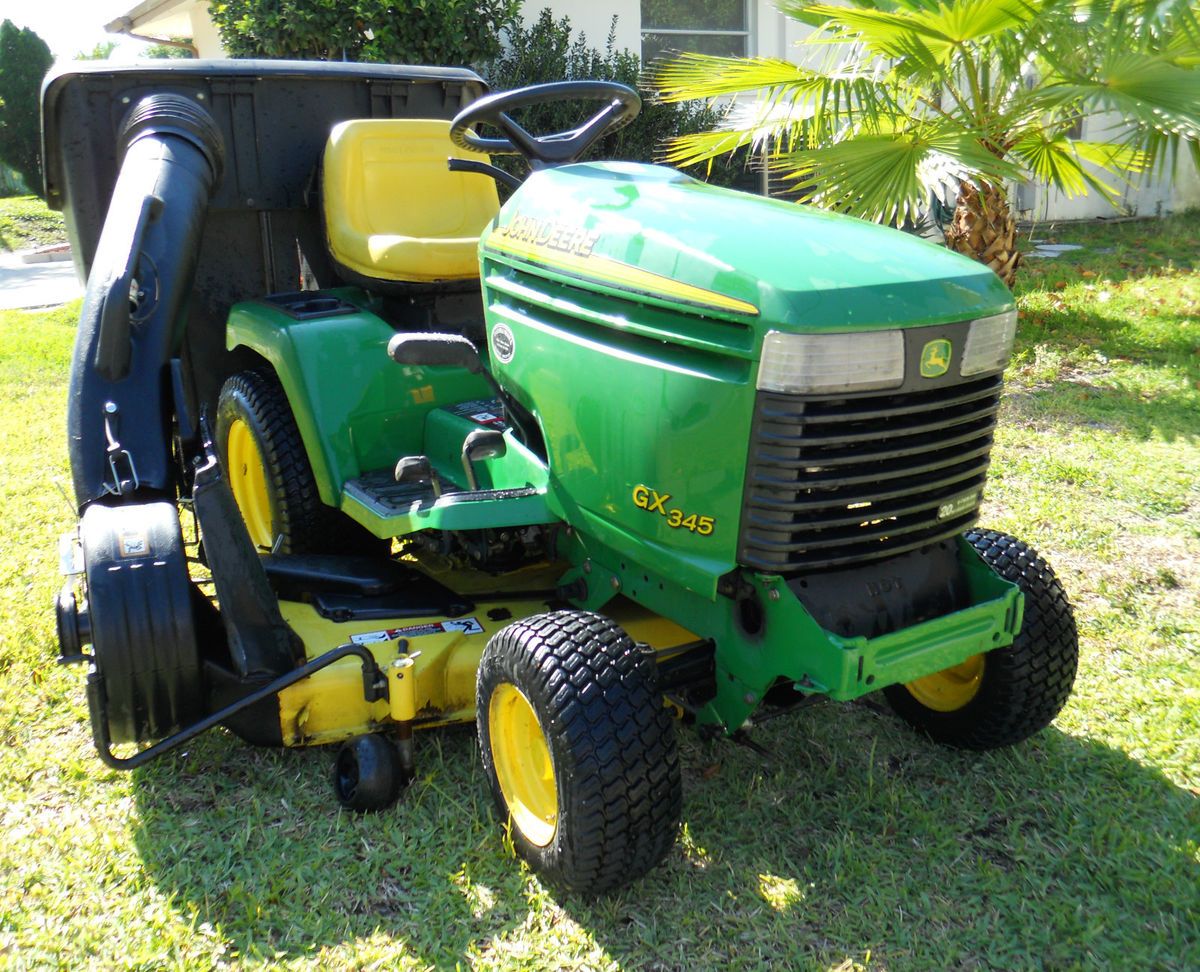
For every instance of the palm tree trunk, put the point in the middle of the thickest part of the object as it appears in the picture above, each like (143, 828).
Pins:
(984, 229)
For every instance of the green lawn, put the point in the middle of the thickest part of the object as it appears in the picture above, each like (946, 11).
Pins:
(860, 846)
(25, 223)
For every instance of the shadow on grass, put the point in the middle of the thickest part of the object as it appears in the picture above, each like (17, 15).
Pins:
(1102, 392)
(1071, 329)
(1168, 415)
(1059, 853)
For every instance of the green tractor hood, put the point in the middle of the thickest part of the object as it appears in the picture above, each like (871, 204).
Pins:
(664, 238)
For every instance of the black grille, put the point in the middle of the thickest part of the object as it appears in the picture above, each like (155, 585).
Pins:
(835, 481)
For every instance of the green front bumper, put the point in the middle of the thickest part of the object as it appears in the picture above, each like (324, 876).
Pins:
(794, 647)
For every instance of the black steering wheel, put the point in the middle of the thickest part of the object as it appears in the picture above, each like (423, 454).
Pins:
(541, 151)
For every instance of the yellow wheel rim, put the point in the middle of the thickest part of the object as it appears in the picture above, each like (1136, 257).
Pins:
(951, 688)
(523, 766)
(248, 480)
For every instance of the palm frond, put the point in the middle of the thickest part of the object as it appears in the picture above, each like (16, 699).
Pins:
(870, 176)
(928, 36)
(789, 98)
(1157, 101)
(885, 175)
(688, 150)
(1114, 156)
(688, 76)
(1058, 161)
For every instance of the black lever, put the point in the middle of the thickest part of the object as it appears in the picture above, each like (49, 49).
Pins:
(483, 168)
(450, 349)
(418, 470)
(481, 444)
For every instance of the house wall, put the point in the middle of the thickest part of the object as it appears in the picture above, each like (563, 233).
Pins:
(204, 33)
(594, 19)
(1165, 190)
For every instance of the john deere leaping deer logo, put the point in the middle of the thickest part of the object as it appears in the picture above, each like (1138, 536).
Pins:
(935, 358)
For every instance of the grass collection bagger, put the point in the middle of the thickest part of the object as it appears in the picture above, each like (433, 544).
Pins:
(358, 451)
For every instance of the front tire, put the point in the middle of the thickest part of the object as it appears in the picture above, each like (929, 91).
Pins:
(1006, 695)
(578, 749)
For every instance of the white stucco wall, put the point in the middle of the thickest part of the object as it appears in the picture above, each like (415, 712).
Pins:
(594, 19)
(204, 34)
(1150, 194)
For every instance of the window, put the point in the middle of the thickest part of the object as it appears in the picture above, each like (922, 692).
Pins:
(705, 26)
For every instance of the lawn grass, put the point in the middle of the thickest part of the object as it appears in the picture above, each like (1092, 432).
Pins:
(858, 846)
(25, 223)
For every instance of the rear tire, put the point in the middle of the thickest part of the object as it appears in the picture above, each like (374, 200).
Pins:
(266, 463)
(271, 478)
(578, 749)
(1008, 694)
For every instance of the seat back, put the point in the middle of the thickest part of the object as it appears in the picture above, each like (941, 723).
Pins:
(393, 210)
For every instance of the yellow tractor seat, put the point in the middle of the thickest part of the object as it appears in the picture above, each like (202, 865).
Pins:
(394, 211)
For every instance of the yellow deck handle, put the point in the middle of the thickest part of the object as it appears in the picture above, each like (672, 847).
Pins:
(402, 697)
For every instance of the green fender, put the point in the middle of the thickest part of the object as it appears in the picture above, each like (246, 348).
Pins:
(356, 409)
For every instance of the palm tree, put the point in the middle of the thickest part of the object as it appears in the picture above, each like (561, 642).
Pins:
(894, 99)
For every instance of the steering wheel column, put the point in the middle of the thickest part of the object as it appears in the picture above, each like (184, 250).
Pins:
(622, 105)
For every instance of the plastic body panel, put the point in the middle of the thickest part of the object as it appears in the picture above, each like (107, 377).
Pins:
(801, 268)
(633, 301)
(630, 425)
(356, 409)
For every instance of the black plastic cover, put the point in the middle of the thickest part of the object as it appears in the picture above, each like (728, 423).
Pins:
(361, 588)
(877, 598)
(142, 631)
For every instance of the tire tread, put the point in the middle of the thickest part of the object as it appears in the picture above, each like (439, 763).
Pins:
(1027, 683)
(598, 694)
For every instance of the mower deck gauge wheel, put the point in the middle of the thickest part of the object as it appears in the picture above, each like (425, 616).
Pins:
(367, 773)
(1005, 696)
(578, 749)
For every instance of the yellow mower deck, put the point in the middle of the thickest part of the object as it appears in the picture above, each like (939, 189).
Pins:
(438, 656)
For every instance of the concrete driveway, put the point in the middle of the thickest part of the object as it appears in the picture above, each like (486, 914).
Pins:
(25, 285)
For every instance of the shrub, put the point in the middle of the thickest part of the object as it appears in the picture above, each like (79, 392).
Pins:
(24, 61)
(445, 32)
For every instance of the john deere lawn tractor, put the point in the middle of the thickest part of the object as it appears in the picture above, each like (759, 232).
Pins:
(358, 451)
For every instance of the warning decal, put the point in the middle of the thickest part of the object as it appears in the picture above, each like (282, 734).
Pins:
(467, 626)
(481, 412)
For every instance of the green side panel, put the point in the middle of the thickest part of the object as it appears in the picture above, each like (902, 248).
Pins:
(632, 303)
(646, 439)
(357, 410)
(519, 471)
(445, 433)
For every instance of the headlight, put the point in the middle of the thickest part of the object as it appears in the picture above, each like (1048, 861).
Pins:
(819, 364)
(989, 343)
